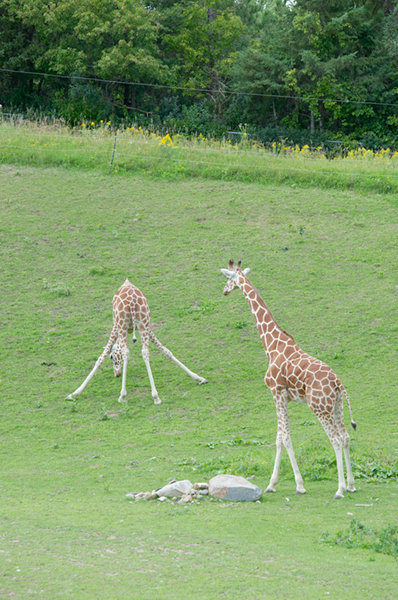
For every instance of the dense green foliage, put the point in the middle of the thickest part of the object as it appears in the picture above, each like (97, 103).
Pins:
(303, 70)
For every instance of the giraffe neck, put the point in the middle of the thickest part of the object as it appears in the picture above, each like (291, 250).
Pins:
(272, 336)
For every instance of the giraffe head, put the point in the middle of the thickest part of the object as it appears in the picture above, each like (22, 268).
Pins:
(117, 359)
(232, 274)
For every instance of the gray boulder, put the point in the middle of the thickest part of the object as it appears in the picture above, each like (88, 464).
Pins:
(175, 489)
(234, 488)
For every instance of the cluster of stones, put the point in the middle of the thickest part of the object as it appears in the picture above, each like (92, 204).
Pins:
(224, 487)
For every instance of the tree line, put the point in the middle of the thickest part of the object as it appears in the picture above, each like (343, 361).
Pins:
(301, 70)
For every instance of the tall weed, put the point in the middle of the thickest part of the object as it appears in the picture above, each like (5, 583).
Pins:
(358, 535)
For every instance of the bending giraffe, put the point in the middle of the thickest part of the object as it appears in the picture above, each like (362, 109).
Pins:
(131, 311)
(295, 375)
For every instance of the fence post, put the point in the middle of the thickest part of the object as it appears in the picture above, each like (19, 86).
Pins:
(114, 149)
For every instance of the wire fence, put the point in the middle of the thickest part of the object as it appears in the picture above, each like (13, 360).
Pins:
(240, 140)
(151, 113)
(127, 151)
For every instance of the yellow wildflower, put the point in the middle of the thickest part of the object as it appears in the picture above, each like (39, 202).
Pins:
(166, 141)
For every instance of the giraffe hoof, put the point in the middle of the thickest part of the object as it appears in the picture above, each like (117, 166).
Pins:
(70, 397)
(202, 381)
(351, 489)
(269, 490)
(338, 496)
(300, 492)
(157, 400)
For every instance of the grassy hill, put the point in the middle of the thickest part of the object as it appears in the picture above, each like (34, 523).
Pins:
(324, 260)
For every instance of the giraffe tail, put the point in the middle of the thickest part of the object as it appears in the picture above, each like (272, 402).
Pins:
(354, 425)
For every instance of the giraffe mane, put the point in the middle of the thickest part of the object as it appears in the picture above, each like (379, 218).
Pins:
(262, 303)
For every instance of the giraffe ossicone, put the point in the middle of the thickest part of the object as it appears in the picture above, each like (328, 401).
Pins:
(131, 311)
(294, 375)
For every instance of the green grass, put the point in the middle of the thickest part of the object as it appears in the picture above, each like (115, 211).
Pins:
(139, 152)
(325, 263)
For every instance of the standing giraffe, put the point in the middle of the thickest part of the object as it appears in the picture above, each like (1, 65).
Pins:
(295, 375)
(131, 310)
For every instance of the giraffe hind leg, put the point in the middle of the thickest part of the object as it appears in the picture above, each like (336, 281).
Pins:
(350, 477)
(125, 354)
(145, 356)
(328, 422)
(339, 416)
(175, 360)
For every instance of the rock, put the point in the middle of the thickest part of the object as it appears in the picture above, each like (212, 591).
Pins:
(141, 495)
(177, 488)
(200, 493)
(131, 495)
(184, 499)
(234, 488)
(201, 486)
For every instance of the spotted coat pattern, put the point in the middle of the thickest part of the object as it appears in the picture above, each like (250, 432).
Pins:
(131, 312)
(294, 375)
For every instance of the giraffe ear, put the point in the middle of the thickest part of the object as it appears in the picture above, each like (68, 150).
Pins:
(228, 274)
(246, 271)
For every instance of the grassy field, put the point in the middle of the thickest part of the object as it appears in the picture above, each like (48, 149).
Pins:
(324, 261)
(139, 151)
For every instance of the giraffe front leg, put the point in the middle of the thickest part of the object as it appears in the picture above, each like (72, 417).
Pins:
(98, 364)
(79, 390)
(297, 475)
(283, 420)
(275, 473)
(283, 439)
